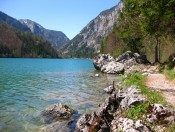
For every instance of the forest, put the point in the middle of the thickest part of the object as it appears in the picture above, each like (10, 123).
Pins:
(15, 43)
(146, 27)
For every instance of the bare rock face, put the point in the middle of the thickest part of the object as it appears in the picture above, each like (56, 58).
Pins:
(91, 35)
(57, 112)
(56, 38)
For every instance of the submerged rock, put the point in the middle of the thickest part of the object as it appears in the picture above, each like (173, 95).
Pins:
(62, 126)
(97, 75)
(56, 112)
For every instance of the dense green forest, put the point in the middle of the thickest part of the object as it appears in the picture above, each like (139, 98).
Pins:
(15, 43)
(144, 26)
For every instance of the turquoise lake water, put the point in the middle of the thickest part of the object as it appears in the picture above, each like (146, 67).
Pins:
(28, 86)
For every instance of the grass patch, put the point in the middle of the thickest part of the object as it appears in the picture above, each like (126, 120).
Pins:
(170, 128)
(136, 112)
(170, 74)
(153, 96)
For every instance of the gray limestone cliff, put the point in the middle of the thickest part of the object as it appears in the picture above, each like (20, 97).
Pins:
(88, 41)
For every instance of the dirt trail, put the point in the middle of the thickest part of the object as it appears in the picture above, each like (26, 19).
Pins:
(160, 82)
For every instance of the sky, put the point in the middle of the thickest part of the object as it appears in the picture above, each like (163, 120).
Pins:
(68, 16)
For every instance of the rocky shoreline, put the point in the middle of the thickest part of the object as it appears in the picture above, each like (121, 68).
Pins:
(111, 115)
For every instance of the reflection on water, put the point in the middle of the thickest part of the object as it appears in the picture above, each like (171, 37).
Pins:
(28, 86)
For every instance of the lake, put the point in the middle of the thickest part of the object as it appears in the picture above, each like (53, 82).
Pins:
(28, 86)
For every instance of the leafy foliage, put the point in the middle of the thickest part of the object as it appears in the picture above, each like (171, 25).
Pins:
(170, 73)
(103, 44)
(153, 96)
(146, 27)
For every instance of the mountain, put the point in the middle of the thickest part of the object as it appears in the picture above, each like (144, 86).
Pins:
(88, 41)
(56, 38)
(15, 43)
(12, 22)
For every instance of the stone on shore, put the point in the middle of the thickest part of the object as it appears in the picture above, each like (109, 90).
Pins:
(130, 97)
(109, 89)
(109, 116)
(160, 114)
(101, 60)
(107, 64)
(113, 68)
(99, 120)
(128, 125)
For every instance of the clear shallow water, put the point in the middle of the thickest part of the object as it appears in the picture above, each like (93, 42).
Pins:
(28, 86)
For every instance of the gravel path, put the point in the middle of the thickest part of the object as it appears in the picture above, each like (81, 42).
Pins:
(160, 82)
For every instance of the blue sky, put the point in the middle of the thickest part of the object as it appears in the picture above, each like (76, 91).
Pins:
(68, 16)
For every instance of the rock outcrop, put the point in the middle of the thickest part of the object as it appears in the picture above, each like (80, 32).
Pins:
(108, 64)
(128, 125)
(101, 119)
(57, 112)
(109, 116)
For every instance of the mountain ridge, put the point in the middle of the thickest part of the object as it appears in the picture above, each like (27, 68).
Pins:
(57, 38)
(90, 37)
(12, 22)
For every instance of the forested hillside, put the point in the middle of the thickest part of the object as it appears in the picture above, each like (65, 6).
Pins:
(14, 43)
(144, 26)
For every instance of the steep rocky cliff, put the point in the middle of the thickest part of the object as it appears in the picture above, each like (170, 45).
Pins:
(88, 41)
(56, 38)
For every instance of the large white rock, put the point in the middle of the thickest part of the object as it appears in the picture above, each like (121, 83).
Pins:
(113, 67)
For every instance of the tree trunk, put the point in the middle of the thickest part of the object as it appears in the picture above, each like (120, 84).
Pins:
(157, 50)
